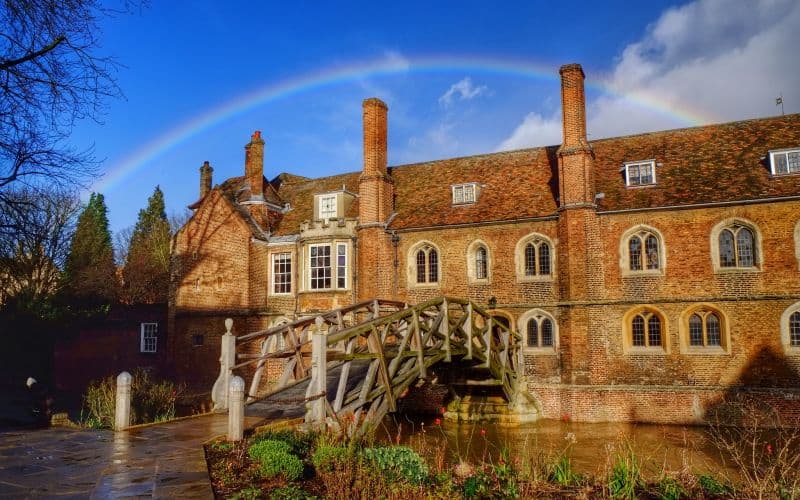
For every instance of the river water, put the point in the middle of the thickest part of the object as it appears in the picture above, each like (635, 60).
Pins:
(591, 447)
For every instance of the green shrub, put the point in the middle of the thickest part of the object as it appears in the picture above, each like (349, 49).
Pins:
(670, 488)
(249, 493)
(711, 485)
(300, 443)
(626, 476)
(560, 471)
(276, 458)
(326, 458)
(151, 400)
(398, 462)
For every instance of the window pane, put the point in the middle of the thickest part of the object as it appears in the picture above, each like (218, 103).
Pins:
(744, 245)
(320, 267)
(282, 273)
(654, 331)
(530, 260)
(544, 259)
(793, 161)
(637, 330)
(712, 329)
(480, 263)
(651, 246)
(421, 266)
(327, 206)
(458, 194)
(469, 194)
(547, 332)
(646, 173)
(794, 329)
(635, 251)
(633, 175)
(341, 265)
(781, 163)
(726, 254)
(533, 333)
(433, 266)
(695, 330)
(149, 337)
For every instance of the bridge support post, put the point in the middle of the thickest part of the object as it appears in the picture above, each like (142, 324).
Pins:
(122, 409)
(318, 385)
(236, 409)
(227, 359)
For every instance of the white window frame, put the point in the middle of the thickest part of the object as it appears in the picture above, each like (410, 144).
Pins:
(274, 273)
(148, 337)
(329, 266)
(773, 160)
(336, 271)
(464, 194)
(328, 206)
(628, 165)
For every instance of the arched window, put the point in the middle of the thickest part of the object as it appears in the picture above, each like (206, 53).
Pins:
(737, 247)
(541, 332)
(426, 264)
(645, 329)
(481, 263)
(703, 330)
(790, 329)
(534, 258)
(643, 248)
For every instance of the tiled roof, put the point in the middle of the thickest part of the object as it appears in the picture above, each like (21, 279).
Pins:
(714, 163)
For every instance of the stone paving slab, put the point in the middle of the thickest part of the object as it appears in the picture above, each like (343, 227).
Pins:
(157, 461)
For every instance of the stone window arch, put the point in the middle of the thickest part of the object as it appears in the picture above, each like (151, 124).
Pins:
(479, 262)
(704, 329)
(790, 329)
(534, 258)
(642, 251)
(539, 330)
(736, 245)
(424, 264)
(797, 243)
(645, 331)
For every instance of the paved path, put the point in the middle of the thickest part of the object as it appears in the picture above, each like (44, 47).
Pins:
(157, 461)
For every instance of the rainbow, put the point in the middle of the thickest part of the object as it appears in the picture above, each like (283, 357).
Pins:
(390, 64)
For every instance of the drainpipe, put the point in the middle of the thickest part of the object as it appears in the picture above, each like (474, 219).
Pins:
(395, 244)
(354, 242)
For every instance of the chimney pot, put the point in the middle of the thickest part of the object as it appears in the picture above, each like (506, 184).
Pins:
(573, 105)
(205, 178)
(254, 165)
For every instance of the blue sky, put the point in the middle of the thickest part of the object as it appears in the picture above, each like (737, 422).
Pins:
(459, 78)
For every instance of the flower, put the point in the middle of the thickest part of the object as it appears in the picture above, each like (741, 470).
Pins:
(437, 421)
(483, 432)
(442, 410)
(769, 449)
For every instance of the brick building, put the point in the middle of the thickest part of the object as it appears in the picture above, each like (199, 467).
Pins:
(650, 275)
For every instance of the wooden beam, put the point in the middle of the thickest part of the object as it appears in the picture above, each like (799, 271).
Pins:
(374, 343)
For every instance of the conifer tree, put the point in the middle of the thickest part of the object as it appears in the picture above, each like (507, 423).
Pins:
(90, 273)
(146, 272)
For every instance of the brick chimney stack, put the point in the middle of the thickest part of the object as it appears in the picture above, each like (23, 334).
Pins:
(573, 105)
(375, 133)
(254, 165)
(205, 179)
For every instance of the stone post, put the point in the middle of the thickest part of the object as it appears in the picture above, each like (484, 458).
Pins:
(236, 409)
(219, 393)
(319, 374)
(122, 411)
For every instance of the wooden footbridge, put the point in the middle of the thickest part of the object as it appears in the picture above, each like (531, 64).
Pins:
(397, 343)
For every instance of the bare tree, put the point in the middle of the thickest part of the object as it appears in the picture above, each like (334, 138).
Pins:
(51, 76)
(31, 261)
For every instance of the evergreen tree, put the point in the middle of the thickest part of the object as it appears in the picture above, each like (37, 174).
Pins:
(90, 273)
(146, 272)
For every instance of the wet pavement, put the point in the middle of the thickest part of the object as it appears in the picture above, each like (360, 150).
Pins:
(156, 461)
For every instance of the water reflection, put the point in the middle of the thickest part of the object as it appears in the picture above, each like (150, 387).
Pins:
(592, 447)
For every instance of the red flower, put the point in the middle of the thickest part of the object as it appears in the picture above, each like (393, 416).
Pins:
(769, 449)
(442, 410)
(483, 432)
(437, 421)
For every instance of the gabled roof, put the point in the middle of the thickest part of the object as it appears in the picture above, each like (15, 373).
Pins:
(708, 164)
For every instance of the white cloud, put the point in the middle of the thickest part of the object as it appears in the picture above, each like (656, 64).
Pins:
(463, 90)
(706, 61)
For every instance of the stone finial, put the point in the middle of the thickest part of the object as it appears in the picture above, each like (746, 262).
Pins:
(122, 410)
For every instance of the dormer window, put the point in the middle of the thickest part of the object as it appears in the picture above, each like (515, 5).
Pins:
(464, 194)
(640, 173)
(327, 206)
(785, 161)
